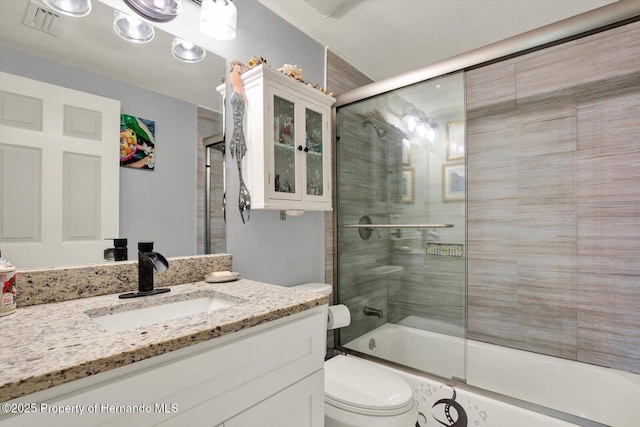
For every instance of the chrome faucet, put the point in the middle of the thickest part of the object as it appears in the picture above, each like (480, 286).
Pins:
(148, 261)
(370, 311)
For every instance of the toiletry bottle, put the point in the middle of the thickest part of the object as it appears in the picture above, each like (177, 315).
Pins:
(7, 287)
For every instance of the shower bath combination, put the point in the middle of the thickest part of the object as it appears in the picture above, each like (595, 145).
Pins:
(405, 280)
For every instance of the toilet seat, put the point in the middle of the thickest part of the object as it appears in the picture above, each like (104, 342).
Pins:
(362, 388)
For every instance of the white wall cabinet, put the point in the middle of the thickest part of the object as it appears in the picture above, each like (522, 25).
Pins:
(288, 137)
(267, 375)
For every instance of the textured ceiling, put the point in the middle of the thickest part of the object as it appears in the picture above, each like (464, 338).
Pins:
(383, 38)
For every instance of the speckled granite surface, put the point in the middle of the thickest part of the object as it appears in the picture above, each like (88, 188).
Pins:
(50, 344)
(41, 286)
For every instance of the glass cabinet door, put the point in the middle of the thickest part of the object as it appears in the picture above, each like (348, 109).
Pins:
(300, 159)
(314, 164)
(284, 147)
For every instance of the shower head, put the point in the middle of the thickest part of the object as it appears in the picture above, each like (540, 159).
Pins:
(381, 132)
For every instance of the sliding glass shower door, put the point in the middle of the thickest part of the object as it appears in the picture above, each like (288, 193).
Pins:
(400, 215)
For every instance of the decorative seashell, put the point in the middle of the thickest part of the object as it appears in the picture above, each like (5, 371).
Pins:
(254, 61)
(292, 71)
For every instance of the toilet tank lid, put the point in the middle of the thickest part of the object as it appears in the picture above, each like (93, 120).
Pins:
(319, 288)
(360, 384)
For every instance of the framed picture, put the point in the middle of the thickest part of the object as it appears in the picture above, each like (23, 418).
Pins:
(406, 152)
(453, 182)
(455, 140)
(137, 142)
(407, 185)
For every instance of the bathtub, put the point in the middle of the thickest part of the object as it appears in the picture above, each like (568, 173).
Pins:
(603, 395)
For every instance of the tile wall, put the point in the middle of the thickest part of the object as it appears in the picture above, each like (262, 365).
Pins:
(553, 141)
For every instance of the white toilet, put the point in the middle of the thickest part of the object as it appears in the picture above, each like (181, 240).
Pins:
(358, 393)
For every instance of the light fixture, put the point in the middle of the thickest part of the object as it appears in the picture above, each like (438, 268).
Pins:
(416, 123)
(187, 51)
(75, 8)
(218, 19)
(156, 10)
(132, 29)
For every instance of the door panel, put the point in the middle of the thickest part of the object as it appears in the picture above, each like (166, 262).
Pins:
(59, 173)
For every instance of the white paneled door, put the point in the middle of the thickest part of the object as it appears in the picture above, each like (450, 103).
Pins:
(59, 173)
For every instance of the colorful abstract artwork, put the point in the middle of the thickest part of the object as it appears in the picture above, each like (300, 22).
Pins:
(137, 142)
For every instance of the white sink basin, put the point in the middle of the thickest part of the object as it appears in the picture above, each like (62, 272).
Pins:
(145, 316)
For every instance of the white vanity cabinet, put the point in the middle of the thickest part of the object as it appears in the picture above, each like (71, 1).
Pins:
(288, 137)
(267, 375)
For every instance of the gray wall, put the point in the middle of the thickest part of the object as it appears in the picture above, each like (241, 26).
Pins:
(156, 205)
(265, 248)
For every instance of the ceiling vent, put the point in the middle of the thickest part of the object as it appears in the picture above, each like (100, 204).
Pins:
(43, 19)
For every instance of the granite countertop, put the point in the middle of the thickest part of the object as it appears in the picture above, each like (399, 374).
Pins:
(50, 344)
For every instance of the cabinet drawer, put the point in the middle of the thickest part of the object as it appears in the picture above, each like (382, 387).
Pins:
(299, 405)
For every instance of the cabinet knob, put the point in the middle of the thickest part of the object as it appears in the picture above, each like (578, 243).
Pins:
(306, 149)
(299, 147)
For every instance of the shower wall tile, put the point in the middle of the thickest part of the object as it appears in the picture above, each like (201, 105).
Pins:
(359, 276)
(341, 78)
(443, 276)
(329, 248)
(494, 167)
(546, 127)
(608, 177)
(609, 154)
(611, 55)
(492, 319)
(372, 293)
(492, 90)
(491, 249)
(553, 264)
(547, 329)
(605, 129)
(611, 231)
(427, 288)
(608, 324)
(546, 179)
(547, 229)
(547, 71)
(553, 286)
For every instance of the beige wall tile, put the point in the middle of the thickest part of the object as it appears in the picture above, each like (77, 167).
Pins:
(491, 89)
(553, 264)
